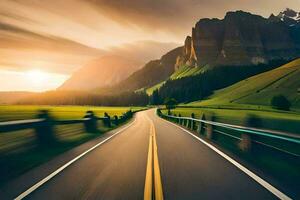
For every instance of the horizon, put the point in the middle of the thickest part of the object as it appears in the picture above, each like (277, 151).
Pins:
(47, 38)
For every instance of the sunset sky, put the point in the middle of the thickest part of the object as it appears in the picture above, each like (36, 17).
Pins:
(43, 42)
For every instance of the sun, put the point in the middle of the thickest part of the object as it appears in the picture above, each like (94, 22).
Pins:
(37, 76)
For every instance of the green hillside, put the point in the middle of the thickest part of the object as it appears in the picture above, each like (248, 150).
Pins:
(259, 89)
(183, 71)
(150, 90)
(186, 70)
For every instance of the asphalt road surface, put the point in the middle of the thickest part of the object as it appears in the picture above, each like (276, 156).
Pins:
(178, 166)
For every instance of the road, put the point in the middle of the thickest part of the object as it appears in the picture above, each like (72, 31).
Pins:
(177, 166)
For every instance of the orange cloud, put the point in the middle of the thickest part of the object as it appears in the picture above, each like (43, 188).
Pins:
(60, 36)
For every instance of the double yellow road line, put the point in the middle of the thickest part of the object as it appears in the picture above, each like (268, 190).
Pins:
(153, 186)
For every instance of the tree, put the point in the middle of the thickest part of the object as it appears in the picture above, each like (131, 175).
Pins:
(196, 87)
(155, 100)
(280, 102)
(170, 103)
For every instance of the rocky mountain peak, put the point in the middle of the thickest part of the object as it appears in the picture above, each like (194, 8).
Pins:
(289, 13)
(242, 38)
(239, 14)
(289, 16)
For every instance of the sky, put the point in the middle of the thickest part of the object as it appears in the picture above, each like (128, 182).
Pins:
(43, 42)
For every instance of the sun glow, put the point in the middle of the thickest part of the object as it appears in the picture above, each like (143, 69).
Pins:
(34, 80)
(37, 76)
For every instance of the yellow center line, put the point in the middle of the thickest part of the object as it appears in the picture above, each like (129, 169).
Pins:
(148, 180)
(153, 169)
(157, 178)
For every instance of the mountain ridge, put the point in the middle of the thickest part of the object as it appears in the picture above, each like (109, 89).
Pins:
(239, 39)
(153, 72)
(95, 73)
(289, 16)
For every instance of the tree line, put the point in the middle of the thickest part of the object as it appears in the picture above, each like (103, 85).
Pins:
(197, 87)
(86, 98)
(183, 90)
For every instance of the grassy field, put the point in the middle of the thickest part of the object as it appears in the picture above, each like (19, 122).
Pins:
(16, 112)
(259, 89)
(185, 71)
(271, 119)
(150, 90)
(20, 150)
(253, 96)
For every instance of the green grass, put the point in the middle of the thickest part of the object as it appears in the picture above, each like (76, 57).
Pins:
(253, 96)
(183, 71)
(186, 70)
(16, 112)
(20, 150)
(150, 90)
(259, 89)
(271, 119)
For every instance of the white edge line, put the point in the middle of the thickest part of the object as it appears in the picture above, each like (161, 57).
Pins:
(262, 182)
(50, 176)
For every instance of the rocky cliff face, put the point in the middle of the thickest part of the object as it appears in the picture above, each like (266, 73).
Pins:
(239, 39)
(242, 38)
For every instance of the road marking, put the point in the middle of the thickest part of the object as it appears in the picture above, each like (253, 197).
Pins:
(259, 180)
(153, 171)
(50, 176)
(157, 177)
(148, 180)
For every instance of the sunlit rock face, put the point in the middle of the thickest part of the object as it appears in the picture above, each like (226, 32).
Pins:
(187, 56)
(241, 38)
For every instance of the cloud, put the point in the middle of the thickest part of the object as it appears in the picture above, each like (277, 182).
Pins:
(22, 49)
(49, 35)
(105, 23)
(60, 36)
(178, 16)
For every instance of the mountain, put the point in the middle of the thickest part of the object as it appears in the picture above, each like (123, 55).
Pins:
(152, 73)
(259, 89)
(289, 16)
(142, 50)
(103, 72)
(241, 38)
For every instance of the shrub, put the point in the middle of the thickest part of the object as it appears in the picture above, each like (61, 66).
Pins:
(170, 103)
(280, 102)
